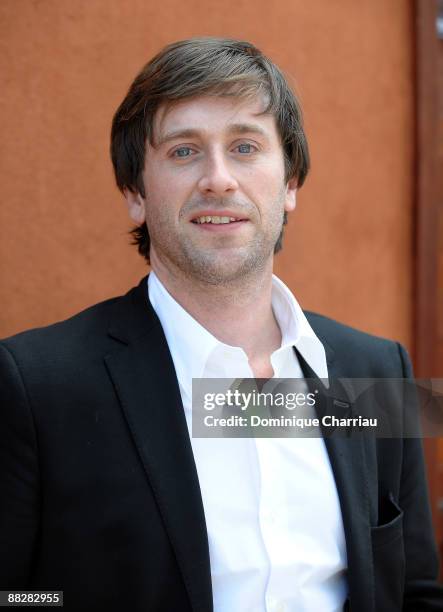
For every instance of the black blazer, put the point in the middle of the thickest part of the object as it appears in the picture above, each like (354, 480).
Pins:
(99, 495)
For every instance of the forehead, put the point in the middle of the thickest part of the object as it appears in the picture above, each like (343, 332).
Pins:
(212, 115)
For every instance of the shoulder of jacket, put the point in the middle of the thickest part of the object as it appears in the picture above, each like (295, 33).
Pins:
(359, 353)
(84, 325)
(334, 330)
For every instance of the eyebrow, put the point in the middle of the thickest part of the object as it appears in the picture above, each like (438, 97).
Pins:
(234, 128)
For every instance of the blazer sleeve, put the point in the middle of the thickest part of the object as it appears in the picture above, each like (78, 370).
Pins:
(422, 591)
(19, 476)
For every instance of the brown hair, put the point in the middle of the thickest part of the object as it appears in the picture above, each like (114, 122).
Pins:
(202, 66)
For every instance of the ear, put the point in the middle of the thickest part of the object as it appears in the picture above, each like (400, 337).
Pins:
(291, 192)
(136, 206)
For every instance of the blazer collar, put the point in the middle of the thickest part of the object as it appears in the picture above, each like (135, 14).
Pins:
(143, 374)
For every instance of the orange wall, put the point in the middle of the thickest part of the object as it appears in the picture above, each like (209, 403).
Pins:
(66, 66)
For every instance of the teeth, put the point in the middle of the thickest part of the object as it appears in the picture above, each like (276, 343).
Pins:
(214, 219)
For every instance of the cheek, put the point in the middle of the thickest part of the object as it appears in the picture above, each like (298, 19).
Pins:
(162, 209)
(272, 194)
(268, 180)
(167, 190)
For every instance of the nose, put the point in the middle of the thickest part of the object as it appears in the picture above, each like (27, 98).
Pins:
(217, 178)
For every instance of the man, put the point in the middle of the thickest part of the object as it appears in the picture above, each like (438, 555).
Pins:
(105, 495)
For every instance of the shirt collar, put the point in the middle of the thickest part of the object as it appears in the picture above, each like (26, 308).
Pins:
(295, 328)
(194, 344)
(189, 342)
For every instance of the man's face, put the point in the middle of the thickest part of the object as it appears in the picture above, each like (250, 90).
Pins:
(215, 188)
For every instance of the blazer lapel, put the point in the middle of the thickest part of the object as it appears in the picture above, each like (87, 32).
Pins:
(143, 375)
(348, 461)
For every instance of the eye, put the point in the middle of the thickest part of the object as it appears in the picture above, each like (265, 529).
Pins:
(182, 152)
(245, 148)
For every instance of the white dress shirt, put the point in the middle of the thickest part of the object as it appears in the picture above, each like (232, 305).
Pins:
(276, 539)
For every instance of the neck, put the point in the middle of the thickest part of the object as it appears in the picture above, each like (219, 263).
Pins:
(238, 313)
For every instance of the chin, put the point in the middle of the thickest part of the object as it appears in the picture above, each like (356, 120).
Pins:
(226, 267)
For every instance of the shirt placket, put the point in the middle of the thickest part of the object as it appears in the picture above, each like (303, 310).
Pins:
(271, 520)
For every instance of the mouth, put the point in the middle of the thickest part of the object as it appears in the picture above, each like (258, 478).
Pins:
(224, 220)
